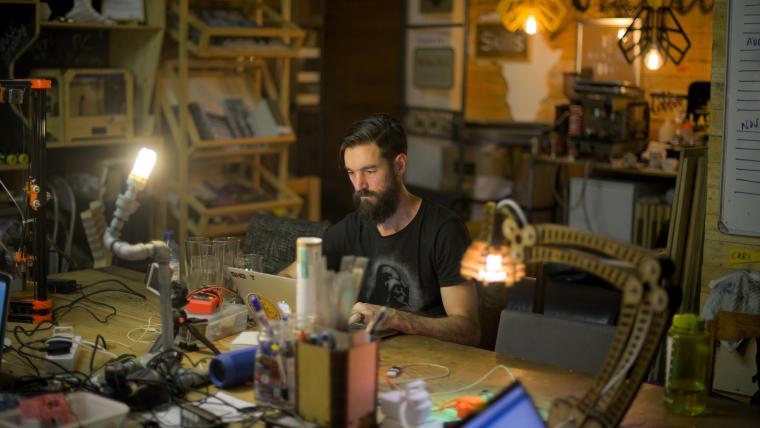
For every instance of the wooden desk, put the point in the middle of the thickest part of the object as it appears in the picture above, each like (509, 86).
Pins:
(544, 383)
(467, 364)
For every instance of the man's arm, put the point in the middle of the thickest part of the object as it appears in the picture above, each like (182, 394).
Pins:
(460, 325)
(289, 271)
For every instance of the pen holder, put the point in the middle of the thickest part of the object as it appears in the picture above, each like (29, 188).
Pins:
(337, 387)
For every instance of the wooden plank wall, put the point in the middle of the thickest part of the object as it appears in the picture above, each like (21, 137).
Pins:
(486, 89)
(717, 245)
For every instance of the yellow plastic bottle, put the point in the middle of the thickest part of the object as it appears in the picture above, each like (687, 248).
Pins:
(688, 354)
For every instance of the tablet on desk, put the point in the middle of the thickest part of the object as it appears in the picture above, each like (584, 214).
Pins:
(512, 407)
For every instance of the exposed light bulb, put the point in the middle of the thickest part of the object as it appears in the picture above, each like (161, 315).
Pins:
(621, 33)
(494, 271)
(653, 59)
(531, 25)
(143, 165)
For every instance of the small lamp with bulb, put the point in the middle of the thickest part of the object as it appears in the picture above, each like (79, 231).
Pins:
(508, 242)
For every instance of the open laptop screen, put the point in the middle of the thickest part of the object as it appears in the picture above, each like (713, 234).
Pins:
(510, 408)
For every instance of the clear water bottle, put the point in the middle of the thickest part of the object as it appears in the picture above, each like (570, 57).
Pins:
(174, 251)
(688, 349)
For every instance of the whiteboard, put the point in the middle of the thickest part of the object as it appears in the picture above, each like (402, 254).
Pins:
(740, 181)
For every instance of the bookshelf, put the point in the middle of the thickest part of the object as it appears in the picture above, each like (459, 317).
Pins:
(224, 99)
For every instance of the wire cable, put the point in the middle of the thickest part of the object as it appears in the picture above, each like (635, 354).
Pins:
(20, 211)
(477, 382)
(447, 372)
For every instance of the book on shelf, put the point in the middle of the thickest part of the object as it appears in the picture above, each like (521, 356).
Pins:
(266, 120)
(220, 126)
(236, 115)
(201, 120)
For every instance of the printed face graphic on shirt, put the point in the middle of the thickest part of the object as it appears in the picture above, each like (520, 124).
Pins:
(376, 186)
(389, 288)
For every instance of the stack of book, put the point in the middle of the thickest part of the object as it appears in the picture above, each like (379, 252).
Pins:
(239, 121)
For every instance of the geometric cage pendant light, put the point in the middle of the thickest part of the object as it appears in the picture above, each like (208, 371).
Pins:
(530, 15)
(655, 35)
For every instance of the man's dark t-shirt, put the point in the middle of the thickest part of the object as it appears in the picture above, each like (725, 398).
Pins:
(406, 269)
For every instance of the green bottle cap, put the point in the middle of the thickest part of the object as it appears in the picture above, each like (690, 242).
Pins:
(689, 322)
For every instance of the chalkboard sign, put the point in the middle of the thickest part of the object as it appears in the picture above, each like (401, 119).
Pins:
(64, 48)
(493, 41)
(18, 28)
(740, 181)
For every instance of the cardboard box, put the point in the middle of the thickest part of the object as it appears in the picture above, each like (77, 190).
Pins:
(337, 387)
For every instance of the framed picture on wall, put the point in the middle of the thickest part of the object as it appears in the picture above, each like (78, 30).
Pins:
(429, 123)
(434, 67)
(435, 12)
(598, 55)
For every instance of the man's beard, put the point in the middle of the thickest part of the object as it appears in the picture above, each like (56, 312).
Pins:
(385, 203)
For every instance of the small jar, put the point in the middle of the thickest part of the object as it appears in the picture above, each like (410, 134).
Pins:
(274, 369)
(688, 355)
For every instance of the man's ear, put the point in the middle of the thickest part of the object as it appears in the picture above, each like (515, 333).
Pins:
(400, 163)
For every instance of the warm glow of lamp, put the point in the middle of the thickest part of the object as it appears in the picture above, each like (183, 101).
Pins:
(653, 59)
(146, 159)
(655, 35)
(531, 25)
(508, 241)
(530, 15)
(621, 33)
(493, 271)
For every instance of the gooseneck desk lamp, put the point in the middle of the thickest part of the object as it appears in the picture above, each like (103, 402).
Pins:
(126, 205)
(500, 257)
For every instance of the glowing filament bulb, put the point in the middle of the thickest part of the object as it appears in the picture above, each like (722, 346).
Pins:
(531, 25)
(653, 59)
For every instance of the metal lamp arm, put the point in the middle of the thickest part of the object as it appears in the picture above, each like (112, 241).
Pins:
(126, 205)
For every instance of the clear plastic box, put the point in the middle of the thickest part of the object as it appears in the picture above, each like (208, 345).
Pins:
(92, 411)
(233, 318)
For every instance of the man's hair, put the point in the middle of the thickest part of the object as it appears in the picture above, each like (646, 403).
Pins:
(380, 129)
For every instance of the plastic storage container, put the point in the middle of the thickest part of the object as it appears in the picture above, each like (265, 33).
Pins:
(688, 349)
(233, 318)
(91, 410)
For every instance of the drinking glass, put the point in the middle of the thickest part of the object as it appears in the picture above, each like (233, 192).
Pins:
(204, 267)
(250, 262)
(192, 249)
(226, 250)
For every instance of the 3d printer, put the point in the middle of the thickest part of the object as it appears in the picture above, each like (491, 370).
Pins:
(607, 119)
(26, 99)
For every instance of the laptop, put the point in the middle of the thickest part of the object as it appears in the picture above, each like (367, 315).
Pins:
(270, 289)
(5, 294)
(512, 407)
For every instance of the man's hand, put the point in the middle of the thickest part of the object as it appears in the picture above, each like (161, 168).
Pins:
(365, 313)
(460, 325)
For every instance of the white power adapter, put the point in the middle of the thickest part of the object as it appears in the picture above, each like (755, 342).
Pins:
(412, 404)
(59, 363)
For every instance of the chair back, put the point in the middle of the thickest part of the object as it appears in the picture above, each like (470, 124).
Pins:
(539, 338)
(274, 238)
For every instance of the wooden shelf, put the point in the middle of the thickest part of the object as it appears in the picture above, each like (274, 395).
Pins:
(144, 141)
(94, 26)
(601, 166)
(16, 167)
(269, 42)
(203, 226)
(285, 37)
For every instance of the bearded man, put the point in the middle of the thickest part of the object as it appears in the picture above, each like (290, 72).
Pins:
(414, 245)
